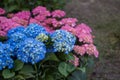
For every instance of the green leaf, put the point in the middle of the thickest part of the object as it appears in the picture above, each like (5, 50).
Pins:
(69, 57)
(78, 75)
(19, 77)
(28, 75)
(83, 69)
(27, 69)
(70, 68)
(90, 65)
(49, 77)
(65, 69)
(18, 65)
(8, 74)
(52, 57)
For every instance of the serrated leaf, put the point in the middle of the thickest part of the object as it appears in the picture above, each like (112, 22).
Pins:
(63, 69)
(18, 65)
(7, 74)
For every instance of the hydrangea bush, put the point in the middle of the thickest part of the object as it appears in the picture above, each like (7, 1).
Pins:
(44, 45)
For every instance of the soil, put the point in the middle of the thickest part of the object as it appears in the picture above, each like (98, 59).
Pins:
(103, 16)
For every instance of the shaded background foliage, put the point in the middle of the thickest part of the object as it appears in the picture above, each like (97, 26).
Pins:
(17, 5)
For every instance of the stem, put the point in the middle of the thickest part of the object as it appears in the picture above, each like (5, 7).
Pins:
(33, 5)
(29, 17)
(36, 70)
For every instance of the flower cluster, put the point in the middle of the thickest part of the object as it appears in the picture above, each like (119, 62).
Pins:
(5, 57)
(6, 24)
(31, 36)
(26, 47)
(29, 44)
(31, 51)
(63, 41)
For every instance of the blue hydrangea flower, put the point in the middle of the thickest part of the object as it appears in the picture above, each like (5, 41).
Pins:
(15, 41)
(13, 30)
(31, 51)
(17, 37)
(63, 41)
(5, 59)
(8, 49)
(34, 30)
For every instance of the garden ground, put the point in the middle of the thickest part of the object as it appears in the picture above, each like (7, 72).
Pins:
(104, 18)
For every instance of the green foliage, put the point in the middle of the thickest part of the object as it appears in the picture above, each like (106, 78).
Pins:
(27, 72)
(8, 74)
(65, 68)
(51, 56)
(18, 65)
(53, 67)
(78, 75)
(17, 5)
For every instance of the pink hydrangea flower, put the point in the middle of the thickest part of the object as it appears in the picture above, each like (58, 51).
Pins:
(2, 33)
(56, 23)
(91, 50)
(83, 28)
(2, 11)
(32, 20)
(2, 19)
(85, 38)
(23, 15)
(69, 21)
(20, 21)
(69, 29)
(75, 62)
(5, 25)
(53, 22)
(38, 10)
(58, 13)
(48, 21)
(42, 11)
(80, 50)
(40, 18)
